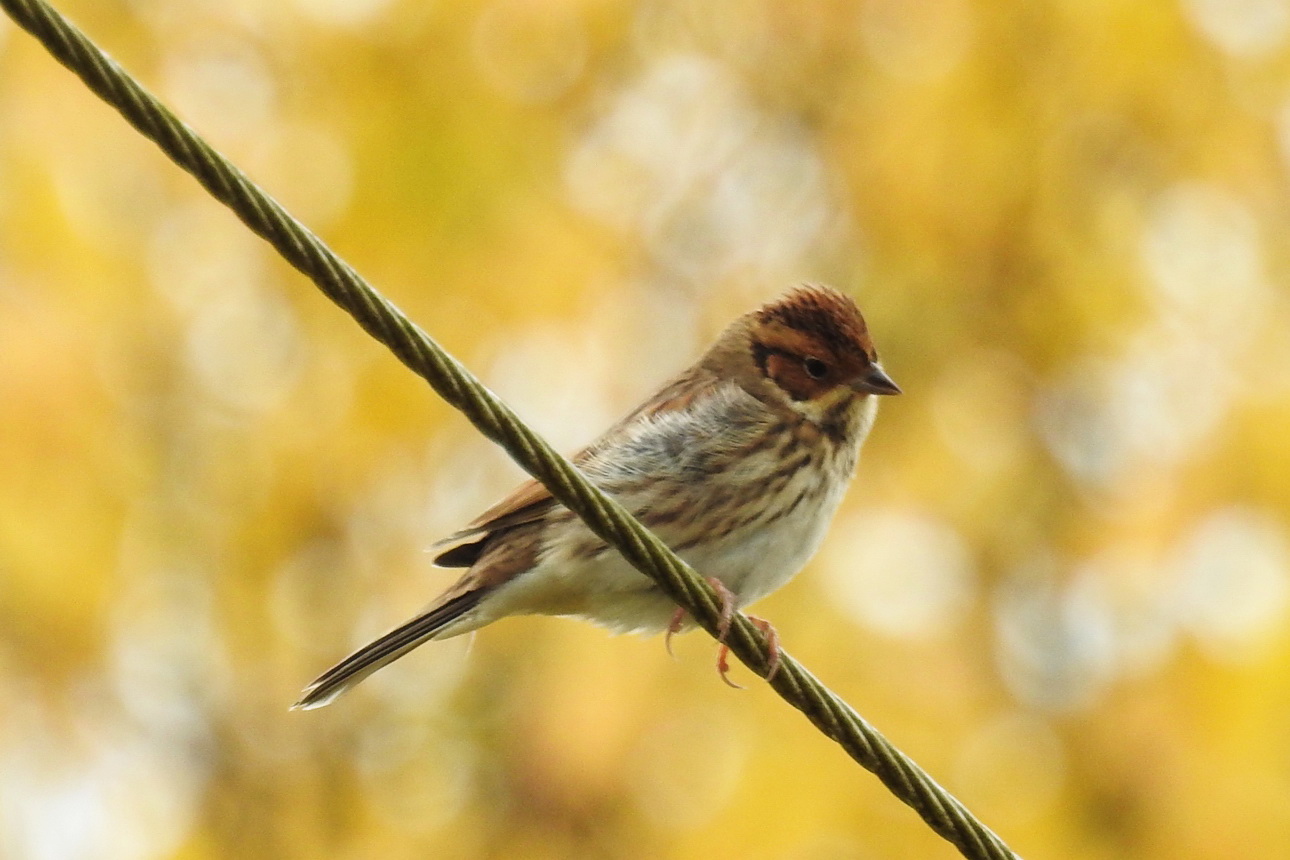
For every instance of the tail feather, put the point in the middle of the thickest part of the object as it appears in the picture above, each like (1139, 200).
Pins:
(385, 650)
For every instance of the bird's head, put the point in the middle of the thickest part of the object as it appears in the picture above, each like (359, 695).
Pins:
(812, 349)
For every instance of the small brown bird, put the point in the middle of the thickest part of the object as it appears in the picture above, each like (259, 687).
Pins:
(738, 465)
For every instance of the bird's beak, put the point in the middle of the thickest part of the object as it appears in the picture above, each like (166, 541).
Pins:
(876, 381)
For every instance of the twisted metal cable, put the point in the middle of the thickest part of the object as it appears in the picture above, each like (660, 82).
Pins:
(608, 519)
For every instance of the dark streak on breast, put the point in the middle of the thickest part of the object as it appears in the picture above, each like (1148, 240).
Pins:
(836, 423)
(792, 506)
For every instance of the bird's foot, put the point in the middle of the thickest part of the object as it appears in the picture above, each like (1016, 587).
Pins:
(772, 644)
(724, 597)
(727, 615)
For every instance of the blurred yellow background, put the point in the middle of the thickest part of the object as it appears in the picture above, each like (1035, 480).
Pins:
(1060, 581)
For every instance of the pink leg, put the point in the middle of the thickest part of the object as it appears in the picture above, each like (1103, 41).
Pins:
(727, 601)
(723, 628)
(772, 644)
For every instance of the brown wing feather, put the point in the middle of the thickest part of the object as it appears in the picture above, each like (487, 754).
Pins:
(527, 504)
(531, 501)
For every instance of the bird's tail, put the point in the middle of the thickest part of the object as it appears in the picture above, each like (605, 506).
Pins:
(387, 649)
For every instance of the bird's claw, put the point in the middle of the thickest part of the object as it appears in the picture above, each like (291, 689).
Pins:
(723, 667)
(724, 619)
(673, 628)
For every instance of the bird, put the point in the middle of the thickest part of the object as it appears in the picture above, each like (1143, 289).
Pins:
(738, 464)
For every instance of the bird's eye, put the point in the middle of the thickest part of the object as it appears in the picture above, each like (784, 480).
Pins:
(815, 368)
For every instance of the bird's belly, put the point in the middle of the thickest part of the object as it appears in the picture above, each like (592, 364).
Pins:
(754, 557)
(761, 557)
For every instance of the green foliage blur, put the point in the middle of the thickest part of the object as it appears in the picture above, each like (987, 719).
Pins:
(1060, 581)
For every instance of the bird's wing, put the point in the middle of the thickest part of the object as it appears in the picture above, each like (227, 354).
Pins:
(531, 501)
(528, 503)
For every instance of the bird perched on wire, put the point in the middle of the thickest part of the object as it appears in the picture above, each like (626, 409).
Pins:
(737, 464)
